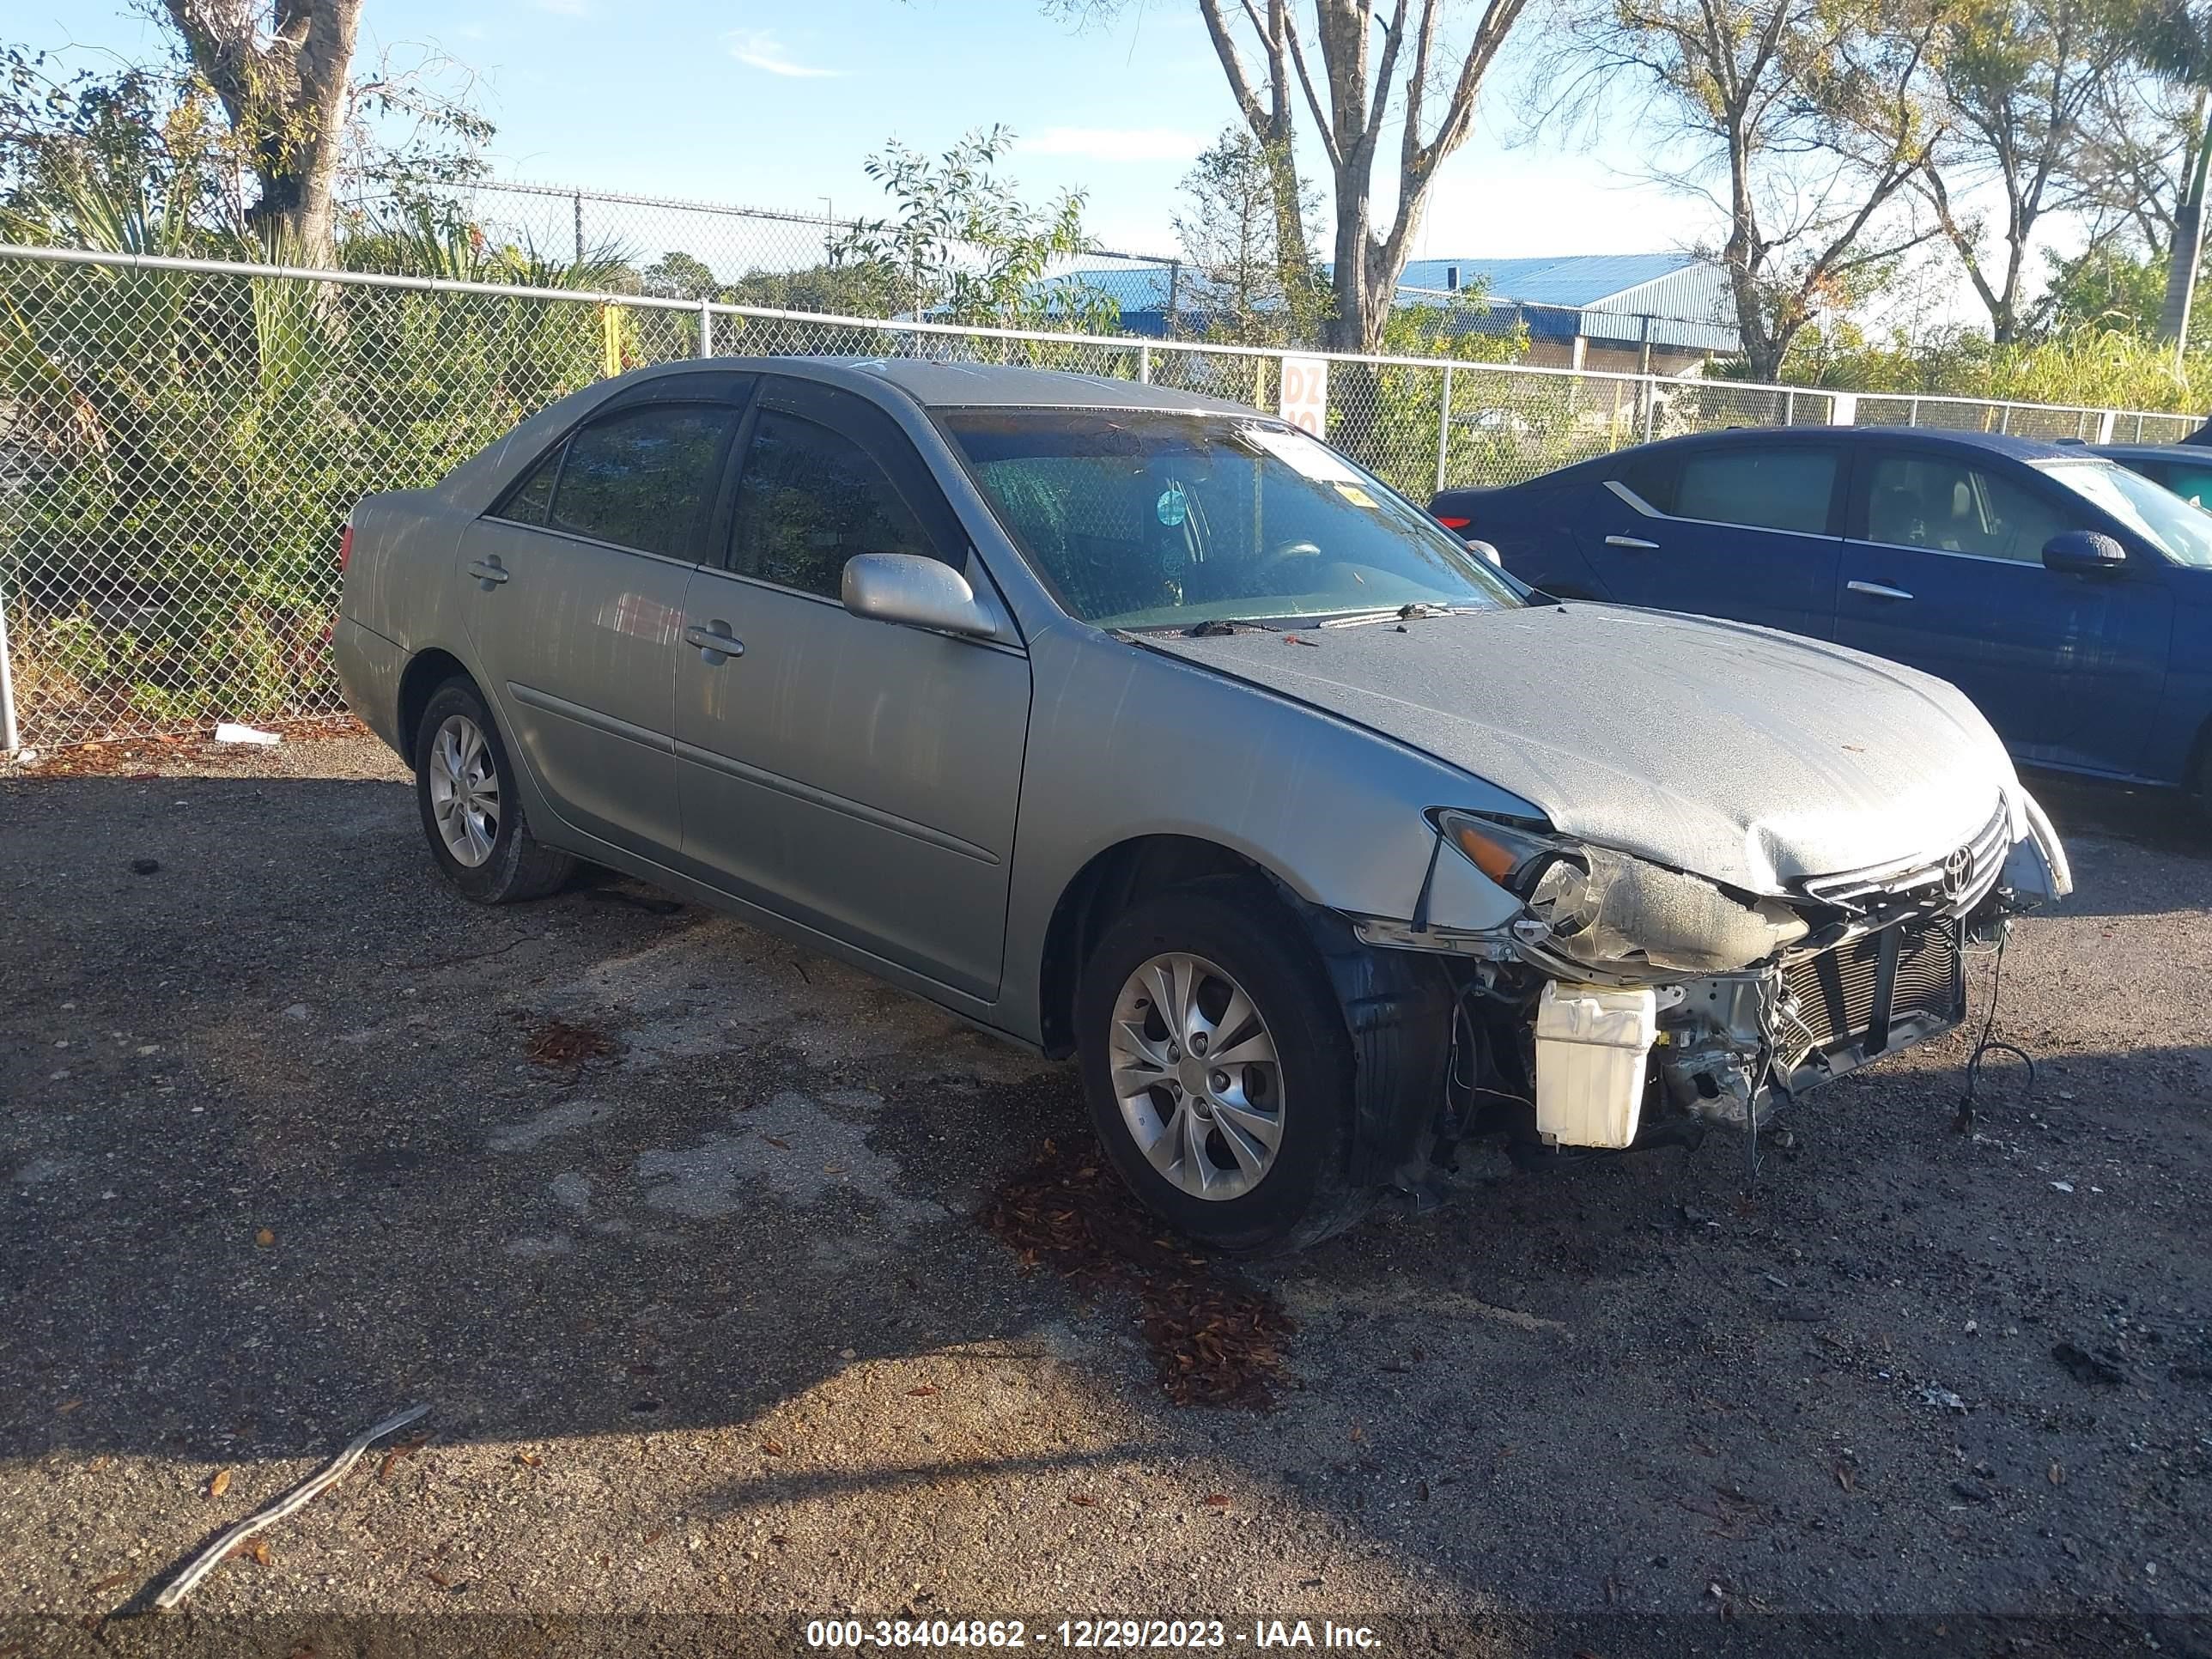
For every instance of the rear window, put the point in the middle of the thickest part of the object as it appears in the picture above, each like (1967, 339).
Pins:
(1762, 488)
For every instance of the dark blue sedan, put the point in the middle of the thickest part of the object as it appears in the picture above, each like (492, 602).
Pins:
(2070, 598)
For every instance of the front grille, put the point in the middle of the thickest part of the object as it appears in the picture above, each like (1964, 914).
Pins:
(1833, 993)
(1876, 887)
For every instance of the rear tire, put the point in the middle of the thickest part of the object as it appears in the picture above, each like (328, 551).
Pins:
(1221, 964)
(472, 815)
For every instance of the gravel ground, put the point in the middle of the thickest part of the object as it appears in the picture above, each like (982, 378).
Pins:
(708, 1326)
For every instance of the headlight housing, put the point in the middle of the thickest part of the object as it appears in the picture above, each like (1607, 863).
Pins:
(1615, 912)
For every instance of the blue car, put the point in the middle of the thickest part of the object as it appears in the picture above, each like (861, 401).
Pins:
(2070, 598)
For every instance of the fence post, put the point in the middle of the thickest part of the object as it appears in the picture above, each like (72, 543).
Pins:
(1145, 363)
(706, 330)
(9, 744)
(1913, 419)
(578, 202)
(1443, 426)
(1790, 407)
(1650, 405)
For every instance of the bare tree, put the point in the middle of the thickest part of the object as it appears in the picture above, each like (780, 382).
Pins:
(1377, 63)
(280, 69)
(2020, 82)
(1802, 122)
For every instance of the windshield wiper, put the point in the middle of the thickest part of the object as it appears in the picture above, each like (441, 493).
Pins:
(1219, 626)
(1418, 609)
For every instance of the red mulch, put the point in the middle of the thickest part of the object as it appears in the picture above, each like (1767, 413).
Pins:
(1215, 1339)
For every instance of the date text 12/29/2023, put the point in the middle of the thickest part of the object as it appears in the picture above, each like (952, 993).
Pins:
(1124, 1634)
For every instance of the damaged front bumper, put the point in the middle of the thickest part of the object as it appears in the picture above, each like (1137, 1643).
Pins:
(1601, 1058)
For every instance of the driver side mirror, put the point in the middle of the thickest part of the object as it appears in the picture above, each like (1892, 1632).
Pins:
(1483, 550)
(913, 590)
(2084, 553)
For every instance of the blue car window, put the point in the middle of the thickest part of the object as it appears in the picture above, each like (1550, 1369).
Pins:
(1950, 506)
(1775, 489)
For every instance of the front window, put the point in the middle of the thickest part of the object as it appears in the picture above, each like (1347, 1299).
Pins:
(1142, 519)
(2152, 511)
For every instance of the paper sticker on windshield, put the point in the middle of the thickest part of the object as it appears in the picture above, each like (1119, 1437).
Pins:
(1308, 458)
(1173, 506)
(1355, 494)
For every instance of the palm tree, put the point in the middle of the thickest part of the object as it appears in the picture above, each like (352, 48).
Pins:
(2174, 41)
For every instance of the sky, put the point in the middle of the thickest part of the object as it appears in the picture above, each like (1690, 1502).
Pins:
(779, 105)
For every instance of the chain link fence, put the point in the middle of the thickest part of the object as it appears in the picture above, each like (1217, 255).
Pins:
(181, 442)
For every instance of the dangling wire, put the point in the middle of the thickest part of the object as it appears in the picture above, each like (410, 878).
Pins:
(1987, 1044)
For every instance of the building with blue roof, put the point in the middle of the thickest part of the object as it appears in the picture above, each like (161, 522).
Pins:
(1666, 313)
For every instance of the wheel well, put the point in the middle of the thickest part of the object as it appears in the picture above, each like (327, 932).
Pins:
(1112, 882)
(425, 674)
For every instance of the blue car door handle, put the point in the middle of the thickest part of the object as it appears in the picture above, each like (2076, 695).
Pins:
(1635, 542)
(1878, 590)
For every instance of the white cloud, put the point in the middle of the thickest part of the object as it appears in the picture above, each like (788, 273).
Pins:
(759, 49)
(1115, 144)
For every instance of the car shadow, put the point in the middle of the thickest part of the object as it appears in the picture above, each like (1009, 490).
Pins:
(291, 1144)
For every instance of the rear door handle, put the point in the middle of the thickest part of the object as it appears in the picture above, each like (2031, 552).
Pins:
(490, 572)
(717, 645)
(1878, 590)
(1635, 542)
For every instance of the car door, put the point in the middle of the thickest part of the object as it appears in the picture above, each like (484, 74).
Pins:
(858, 777)
(1744, 531)
(575, 586)
(1943, 570)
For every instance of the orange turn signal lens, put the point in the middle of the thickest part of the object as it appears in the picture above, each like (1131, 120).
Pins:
(1493, 858)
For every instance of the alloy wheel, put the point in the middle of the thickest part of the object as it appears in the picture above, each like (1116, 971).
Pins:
(464, 790)
(1194, 1068)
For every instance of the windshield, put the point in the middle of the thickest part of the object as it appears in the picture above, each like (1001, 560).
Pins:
(1142, 519)
(2151, 510)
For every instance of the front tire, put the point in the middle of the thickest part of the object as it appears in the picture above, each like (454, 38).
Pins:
(1218, 1070)
(473, 816)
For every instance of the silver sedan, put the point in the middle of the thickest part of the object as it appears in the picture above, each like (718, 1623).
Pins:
(1136, 725)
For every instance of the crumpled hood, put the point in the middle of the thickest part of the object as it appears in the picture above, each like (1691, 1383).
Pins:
(1746, 755)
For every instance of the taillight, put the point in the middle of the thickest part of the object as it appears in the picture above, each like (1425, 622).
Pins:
(345, 547)
(1449, 523)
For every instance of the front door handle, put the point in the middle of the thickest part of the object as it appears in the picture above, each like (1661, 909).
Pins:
(1635, 542)
(717, 645)
(490, 572)
(1878, 590)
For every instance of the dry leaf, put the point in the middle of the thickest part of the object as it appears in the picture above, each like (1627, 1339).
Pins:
(220, 1484)
(656, 1535)
(772, 1448)
(528, 1460)
(112, 1581)
(67, 1407)
(1845, 1479)
(832, 1168)
(259, 1552)
(438, 1579)
(265, 1238)
(1216, 1500)
(1082, 1500)
(924, 1391)
(780, 1145)
(2057, 1475)
(1358, 1433)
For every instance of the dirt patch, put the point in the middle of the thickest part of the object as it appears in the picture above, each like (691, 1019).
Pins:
(560, 1042)
(1215, 1339)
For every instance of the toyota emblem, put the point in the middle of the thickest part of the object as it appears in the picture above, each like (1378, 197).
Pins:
(1958, 873)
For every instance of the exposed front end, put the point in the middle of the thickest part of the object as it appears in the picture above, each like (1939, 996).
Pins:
(1627, 1002)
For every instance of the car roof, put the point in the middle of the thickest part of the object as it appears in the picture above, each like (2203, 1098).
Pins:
(1937, 437)
(2147, 452)
(936, 384)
